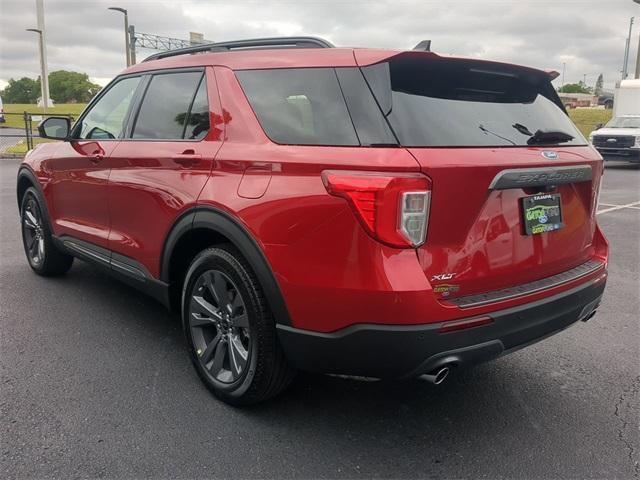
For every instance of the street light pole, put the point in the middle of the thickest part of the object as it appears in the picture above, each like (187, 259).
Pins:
(126, 32)
(44, 91)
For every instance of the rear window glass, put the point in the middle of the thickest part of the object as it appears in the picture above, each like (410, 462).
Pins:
(302, 106)
(436, 102)
(165, 106)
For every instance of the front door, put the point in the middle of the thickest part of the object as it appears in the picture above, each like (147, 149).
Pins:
(80, 168)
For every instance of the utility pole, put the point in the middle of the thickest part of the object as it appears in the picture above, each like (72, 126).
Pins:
(132, 44)
(625, 64)
(637, 75)
(564, 66)
(44, 70)
(126, 32)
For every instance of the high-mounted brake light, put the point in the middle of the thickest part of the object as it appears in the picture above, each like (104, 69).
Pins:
(393, 208)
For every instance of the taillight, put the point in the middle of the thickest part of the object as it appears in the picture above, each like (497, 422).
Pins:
(393, 208)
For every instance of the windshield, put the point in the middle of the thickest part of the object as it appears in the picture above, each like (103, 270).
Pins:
(624, 122)
(452, 102)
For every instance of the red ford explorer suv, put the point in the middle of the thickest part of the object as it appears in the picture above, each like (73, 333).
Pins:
(379, 213)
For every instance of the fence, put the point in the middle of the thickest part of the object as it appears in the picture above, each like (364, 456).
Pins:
(19, 131)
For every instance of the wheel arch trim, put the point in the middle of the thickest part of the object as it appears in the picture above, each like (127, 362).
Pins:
(25, 172)
(221, 222)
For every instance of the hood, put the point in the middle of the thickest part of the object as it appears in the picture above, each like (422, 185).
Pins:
(617, 131)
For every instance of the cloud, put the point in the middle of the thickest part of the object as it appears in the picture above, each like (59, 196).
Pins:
(588, 36)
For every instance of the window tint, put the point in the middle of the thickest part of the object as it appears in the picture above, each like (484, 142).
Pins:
(302, 106)
(371, 126)
(198, 123)
(165, 106)
(106, 118)
(442, 102)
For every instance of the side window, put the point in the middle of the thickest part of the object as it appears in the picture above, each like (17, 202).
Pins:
(300, 106)
(106, 118)
(198, 122)
(165, 106)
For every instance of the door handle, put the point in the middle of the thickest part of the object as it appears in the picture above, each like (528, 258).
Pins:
(188, 158)
(96, 157)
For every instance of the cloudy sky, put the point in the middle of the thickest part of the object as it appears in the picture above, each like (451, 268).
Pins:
(82, 35)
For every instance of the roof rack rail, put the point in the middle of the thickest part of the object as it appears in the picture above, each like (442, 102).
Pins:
(251, 44)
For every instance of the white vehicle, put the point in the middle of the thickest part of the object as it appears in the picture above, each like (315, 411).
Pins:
(627, 98)
(2, 120)
(619, 139)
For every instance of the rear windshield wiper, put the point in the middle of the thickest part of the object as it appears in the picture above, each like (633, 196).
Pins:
(543, 136)
(549, 136)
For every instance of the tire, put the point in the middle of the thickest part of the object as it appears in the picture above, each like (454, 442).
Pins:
(230, 331)
(43, 256)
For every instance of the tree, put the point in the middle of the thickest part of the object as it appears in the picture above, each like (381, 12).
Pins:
(579, 87)
(599, 85)
(71, 87)
(24, 90)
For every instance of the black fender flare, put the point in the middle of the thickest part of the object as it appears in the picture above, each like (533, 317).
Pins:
(219, 221)
(25, 172)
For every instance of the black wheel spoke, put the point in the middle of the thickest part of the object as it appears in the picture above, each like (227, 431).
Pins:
(30, 220)
(201, 306)
(237, 356)
(220, 291)
(40, 244)
(241, 321)
(205, 356)
(198, 321)
(218, 358)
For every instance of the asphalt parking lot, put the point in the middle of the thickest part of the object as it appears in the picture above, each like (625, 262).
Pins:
(95, 382)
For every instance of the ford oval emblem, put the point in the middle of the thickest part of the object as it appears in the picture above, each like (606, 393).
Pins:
(550, 154)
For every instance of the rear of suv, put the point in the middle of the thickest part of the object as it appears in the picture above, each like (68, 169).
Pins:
(379, 213)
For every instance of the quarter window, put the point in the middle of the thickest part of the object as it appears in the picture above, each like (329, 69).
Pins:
(105, 120)
(166, 104)
(302, 106)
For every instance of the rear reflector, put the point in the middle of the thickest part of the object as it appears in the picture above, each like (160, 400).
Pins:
(464, 324)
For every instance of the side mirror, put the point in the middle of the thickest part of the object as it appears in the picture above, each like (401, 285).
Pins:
(599, 126)
(56, 128)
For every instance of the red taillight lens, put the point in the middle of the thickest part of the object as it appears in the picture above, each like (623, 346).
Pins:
(393, 208)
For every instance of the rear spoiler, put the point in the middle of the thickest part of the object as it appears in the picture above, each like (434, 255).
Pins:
(552, 74)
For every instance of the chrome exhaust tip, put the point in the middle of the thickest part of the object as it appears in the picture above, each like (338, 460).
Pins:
(437, 376)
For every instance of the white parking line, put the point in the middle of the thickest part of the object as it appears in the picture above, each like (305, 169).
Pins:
(617, 207)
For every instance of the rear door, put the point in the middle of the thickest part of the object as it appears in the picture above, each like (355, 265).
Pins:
(80, 168)
(496, 143)
(161, 168)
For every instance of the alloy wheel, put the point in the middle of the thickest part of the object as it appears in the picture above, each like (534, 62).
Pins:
(219, 326)
(33, 232)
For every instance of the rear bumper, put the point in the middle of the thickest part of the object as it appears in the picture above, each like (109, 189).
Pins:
(390, 351)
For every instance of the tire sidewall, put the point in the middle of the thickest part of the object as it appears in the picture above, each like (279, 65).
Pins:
(222, 260)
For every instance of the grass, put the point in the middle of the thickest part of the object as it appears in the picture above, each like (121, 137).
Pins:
(20, 148)
(586, 119)
(17, 121)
